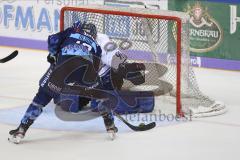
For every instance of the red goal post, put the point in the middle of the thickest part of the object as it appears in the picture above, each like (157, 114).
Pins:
(176, 18)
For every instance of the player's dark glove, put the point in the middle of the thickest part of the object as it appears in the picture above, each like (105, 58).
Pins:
(51, 59)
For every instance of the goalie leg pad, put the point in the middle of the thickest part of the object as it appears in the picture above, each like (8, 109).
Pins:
(142, 105)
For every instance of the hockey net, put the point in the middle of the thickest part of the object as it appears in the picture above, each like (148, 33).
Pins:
(160, 39)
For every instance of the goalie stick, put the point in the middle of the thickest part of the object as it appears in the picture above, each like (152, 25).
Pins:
(140, 127)
(9, 57)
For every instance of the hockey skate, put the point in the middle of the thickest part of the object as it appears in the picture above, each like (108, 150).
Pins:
(18, 134)
(110, 126)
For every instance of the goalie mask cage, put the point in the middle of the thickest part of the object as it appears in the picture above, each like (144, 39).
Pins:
(156, 37)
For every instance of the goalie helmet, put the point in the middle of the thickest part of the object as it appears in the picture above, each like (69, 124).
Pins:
(90, 29)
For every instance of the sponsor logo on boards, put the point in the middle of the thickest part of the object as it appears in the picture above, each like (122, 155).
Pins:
(205, 32)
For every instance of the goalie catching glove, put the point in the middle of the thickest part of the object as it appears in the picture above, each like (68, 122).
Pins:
(134, 72)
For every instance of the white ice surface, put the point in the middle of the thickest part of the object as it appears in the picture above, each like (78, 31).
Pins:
(214, 138)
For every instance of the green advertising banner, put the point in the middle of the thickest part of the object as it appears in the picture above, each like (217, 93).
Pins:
(214, 28)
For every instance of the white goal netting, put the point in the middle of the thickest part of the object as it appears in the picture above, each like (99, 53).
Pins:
(160, 39)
